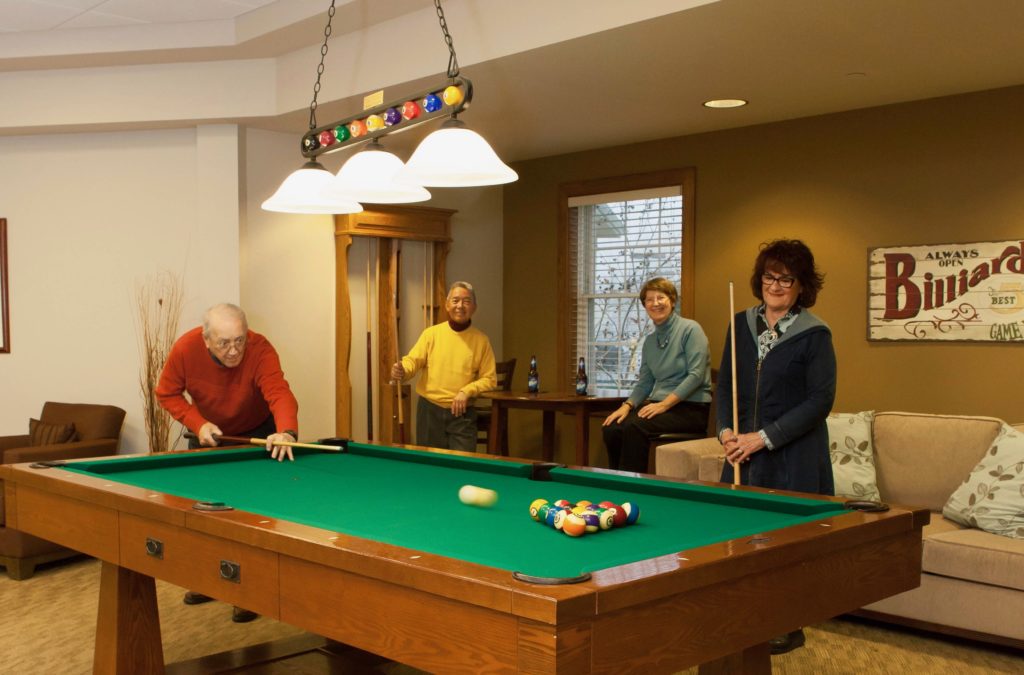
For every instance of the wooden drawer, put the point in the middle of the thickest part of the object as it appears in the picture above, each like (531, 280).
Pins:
(201, 563)
(69, 522)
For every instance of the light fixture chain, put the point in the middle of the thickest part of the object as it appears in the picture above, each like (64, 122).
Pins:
(320, 68)
(453, 61)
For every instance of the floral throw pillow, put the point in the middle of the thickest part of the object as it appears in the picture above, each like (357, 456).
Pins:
(991, 498)
(853, 456)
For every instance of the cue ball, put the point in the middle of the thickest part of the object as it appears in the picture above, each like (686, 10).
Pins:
(477, 496)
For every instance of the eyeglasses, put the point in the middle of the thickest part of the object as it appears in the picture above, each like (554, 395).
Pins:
(224, 344)
(784, 282)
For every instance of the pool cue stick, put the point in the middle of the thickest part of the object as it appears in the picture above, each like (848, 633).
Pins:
(263, 441)
(735, 409)
(369, 348)
(290, 444)
(398, 384)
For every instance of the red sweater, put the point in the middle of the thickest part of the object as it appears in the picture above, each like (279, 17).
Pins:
(235, 399)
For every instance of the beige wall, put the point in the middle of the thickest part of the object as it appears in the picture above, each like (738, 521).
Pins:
(943, 170)
(90, 216)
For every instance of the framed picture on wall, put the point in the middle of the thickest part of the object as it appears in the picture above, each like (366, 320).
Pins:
(5, 323)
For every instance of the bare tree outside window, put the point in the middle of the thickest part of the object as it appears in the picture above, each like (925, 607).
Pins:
(617, 233)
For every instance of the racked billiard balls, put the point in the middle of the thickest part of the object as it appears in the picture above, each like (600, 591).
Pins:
(573, 525)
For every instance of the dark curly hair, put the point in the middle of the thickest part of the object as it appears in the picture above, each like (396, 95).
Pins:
(794, 255)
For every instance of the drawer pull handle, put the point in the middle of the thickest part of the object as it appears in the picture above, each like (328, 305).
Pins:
(154, 548)
(231, 571)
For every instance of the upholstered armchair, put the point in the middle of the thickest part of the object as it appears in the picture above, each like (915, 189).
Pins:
(63, 431)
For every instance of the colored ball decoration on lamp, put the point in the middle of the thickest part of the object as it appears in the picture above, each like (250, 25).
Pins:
(432, 103)
(357, 128)
(326, 138)
(410, 110)
(452, 95)
(310, 143)
(374, 123)
(342, 133)
(392, 117)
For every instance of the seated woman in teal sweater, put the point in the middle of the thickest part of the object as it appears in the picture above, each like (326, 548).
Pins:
(673, 393)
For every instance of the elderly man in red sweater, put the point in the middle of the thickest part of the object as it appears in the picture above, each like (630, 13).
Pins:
(233, 376)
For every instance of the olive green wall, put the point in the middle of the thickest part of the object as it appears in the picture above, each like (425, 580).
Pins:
(925, 172)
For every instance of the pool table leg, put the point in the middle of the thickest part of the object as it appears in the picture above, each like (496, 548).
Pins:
(127, 624)
(756, 660)
(548, 439)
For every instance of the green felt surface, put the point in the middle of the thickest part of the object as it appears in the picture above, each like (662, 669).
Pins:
(410, 498)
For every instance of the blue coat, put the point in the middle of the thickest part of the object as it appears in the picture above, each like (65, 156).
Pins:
(789, 398)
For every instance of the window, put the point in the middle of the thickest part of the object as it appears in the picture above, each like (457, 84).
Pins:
(614, 241)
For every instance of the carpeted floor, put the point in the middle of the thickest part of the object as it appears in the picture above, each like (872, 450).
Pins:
(47, 626)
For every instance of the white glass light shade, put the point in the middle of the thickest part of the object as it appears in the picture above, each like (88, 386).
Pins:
(370, 176)
(303, 192)
(454, 156)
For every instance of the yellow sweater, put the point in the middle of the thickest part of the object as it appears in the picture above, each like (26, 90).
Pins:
(452, 362)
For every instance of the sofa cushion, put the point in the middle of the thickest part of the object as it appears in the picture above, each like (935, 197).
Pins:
(974, 555)
(853, 457)
(44, 433)
(991, 498)
(920, 459)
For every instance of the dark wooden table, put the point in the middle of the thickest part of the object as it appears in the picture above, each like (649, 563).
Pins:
(580, 407)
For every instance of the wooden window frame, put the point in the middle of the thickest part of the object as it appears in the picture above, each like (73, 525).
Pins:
(685, 179)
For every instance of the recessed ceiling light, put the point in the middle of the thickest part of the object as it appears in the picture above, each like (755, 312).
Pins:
(725, 103)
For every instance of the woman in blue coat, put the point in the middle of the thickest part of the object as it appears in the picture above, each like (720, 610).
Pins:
(786, 384)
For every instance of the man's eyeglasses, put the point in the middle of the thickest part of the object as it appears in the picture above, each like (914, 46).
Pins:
(223, 344)
(784, 282)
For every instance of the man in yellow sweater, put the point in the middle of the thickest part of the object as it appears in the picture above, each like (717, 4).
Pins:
(458, 365)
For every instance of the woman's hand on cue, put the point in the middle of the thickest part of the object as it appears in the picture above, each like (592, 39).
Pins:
(279, 452)
(739, 448)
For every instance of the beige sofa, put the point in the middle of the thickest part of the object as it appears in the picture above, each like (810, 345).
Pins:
(972, 583)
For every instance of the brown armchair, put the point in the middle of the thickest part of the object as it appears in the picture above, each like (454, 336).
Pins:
(97, 431)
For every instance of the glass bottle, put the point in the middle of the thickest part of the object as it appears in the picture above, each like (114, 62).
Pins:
(533, 378)
(581, 378)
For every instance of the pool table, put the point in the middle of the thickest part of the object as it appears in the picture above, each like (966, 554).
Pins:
(371, 546)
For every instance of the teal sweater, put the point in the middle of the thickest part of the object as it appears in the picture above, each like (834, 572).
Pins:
(675, 360)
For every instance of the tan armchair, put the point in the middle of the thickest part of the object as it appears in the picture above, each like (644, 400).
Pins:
(97, 432)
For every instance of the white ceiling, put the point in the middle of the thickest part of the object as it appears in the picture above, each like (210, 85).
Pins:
(642, 81)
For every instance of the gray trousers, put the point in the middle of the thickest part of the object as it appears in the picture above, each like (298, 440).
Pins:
(436, 427)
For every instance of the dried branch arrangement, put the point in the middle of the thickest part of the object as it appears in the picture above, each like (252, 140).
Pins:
(158, 302)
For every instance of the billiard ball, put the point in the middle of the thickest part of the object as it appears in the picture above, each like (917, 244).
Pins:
(310, 143)
(326, 138)
(584, 502)
(432, 103)
(606, 519)
(549, 517)
(606, 504)
(560, 518)
(392, 117)
(573, 525)
(563, 503)
(342, 133)
(619, 515)
(535, 506)
(452, 95)
(357, 128)
(477, 496)
(374, 123)
(410, 110)
(592, 521)
(632, 512)
(542, 512)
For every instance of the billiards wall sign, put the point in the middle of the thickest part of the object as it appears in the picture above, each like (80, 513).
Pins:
(971, 292)
(448, 98)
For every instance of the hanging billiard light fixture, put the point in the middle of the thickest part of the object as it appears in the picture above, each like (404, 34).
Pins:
(452, 156)
(304, 190)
